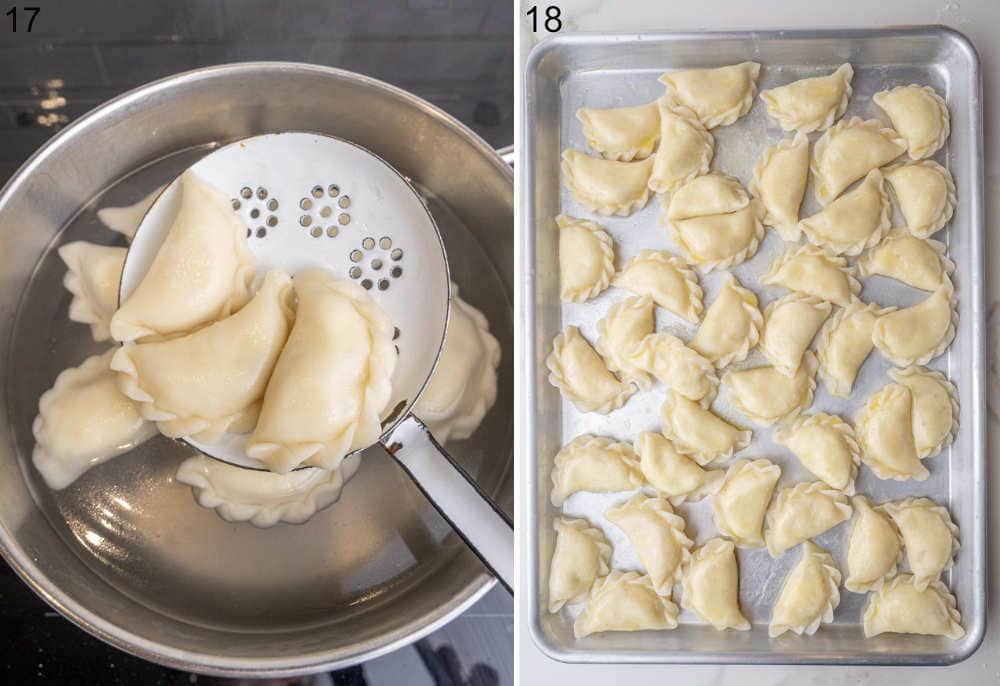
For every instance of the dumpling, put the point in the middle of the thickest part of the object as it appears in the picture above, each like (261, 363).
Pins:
(586, 259)
(665, 278)
(201, 273)
(810, 104)
(779, 182)
(740, 505)
(95, 273)
(211, 381)
(790, 324)
(712, 586)
(848, 151)
(657, 534)
(766, 396)
(718, 96)
(622, 329)
(899, 607)
(925, 192)
(801, 512)
(930, 537)
(463, 387)
(873, 549)
(845, 342)
(884, 428)
(826, 446)
(686, 148)
(935, 408)
(809, 595)
(332, 379)
(605, 186)
(624, 601)
(719, 241)
(920, 115)
(700, 433)
(815, 271)
(595, 464)
(582, 554)
(731, 326)
(673, 474)
(581, 376)
(710, 194)
(917, 262)
(855, 221)
(84, 420)
(261, 497)
(918, 334)
(621, 133)
(679, 367)
(126, 220)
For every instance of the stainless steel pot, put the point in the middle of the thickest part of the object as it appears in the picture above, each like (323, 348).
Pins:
(125, 552)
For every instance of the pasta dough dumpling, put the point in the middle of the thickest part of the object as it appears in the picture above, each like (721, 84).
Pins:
(917, 262)
(935, 408)
(801, 512)
(719, 241)
(624, 601)
(582, 555)
(211, 381)
(810, 104)
(848, 151)
(930, 537)
(586, 259)
(621, 331)
(710, 194)
(657, 534)
(899, 607)
(766, 396)
(712, 586)
(741, 504)
(920, 115)
(857, 220)
(621, 133)
(672, 473)
(790, 324)
(607, 187)
(731, 326)
(815, 271)
(779, 182)
(874, 548)
(679, 367)
(582, 377)
(595, 464)
(809, 595)
(718, 96)
(845, 342)
(925, 192)
(93, 277)
(918, 334)
(201, 272)
(665, 278)
(699, 432)
(884, 427)
(84, 420)
(826, 446)
(685, 151)
(332, 379)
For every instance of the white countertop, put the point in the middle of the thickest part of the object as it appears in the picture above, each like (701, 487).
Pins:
(980, 21)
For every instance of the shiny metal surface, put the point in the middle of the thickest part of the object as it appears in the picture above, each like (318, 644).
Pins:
(608, 70)
(125, 552)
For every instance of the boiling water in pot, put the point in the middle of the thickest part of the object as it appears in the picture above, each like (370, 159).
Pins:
(142, 532)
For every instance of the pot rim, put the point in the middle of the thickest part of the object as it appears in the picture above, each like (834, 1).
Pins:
(195, 661)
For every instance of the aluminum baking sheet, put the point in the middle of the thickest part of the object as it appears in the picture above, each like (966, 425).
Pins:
(566, 73)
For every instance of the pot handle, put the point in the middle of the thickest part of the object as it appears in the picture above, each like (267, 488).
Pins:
(486, 528)
(507, 154)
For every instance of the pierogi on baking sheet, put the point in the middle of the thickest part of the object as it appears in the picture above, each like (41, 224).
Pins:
(804, 286)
